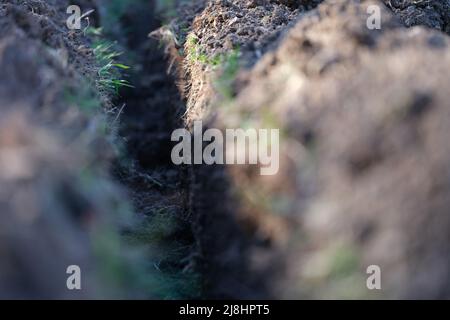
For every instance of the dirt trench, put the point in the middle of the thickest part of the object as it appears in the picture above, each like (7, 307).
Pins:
(152, 110)
(209, 244)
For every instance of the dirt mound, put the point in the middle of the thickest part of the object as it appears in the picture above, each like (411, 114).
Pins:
(363, 167)
(58, 203)
(221, 32)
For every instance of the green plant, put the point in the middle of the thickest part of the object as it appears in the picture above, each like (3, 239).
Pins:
(110, 71)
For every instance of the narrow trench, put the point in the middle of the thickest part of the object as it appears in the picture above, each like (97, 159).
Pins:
(158, 189)
(196, 248)
(205, 248)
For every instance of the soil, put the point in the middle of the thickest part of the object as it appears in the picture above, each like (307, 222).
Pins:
(86, 173)
(48, 148)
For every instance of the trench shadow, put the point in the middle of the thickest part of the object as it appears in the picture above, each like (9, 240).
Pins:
(155, 108)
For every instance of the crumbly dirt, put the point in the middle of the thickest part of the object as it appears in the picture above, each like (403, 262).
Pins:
(251, 28)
